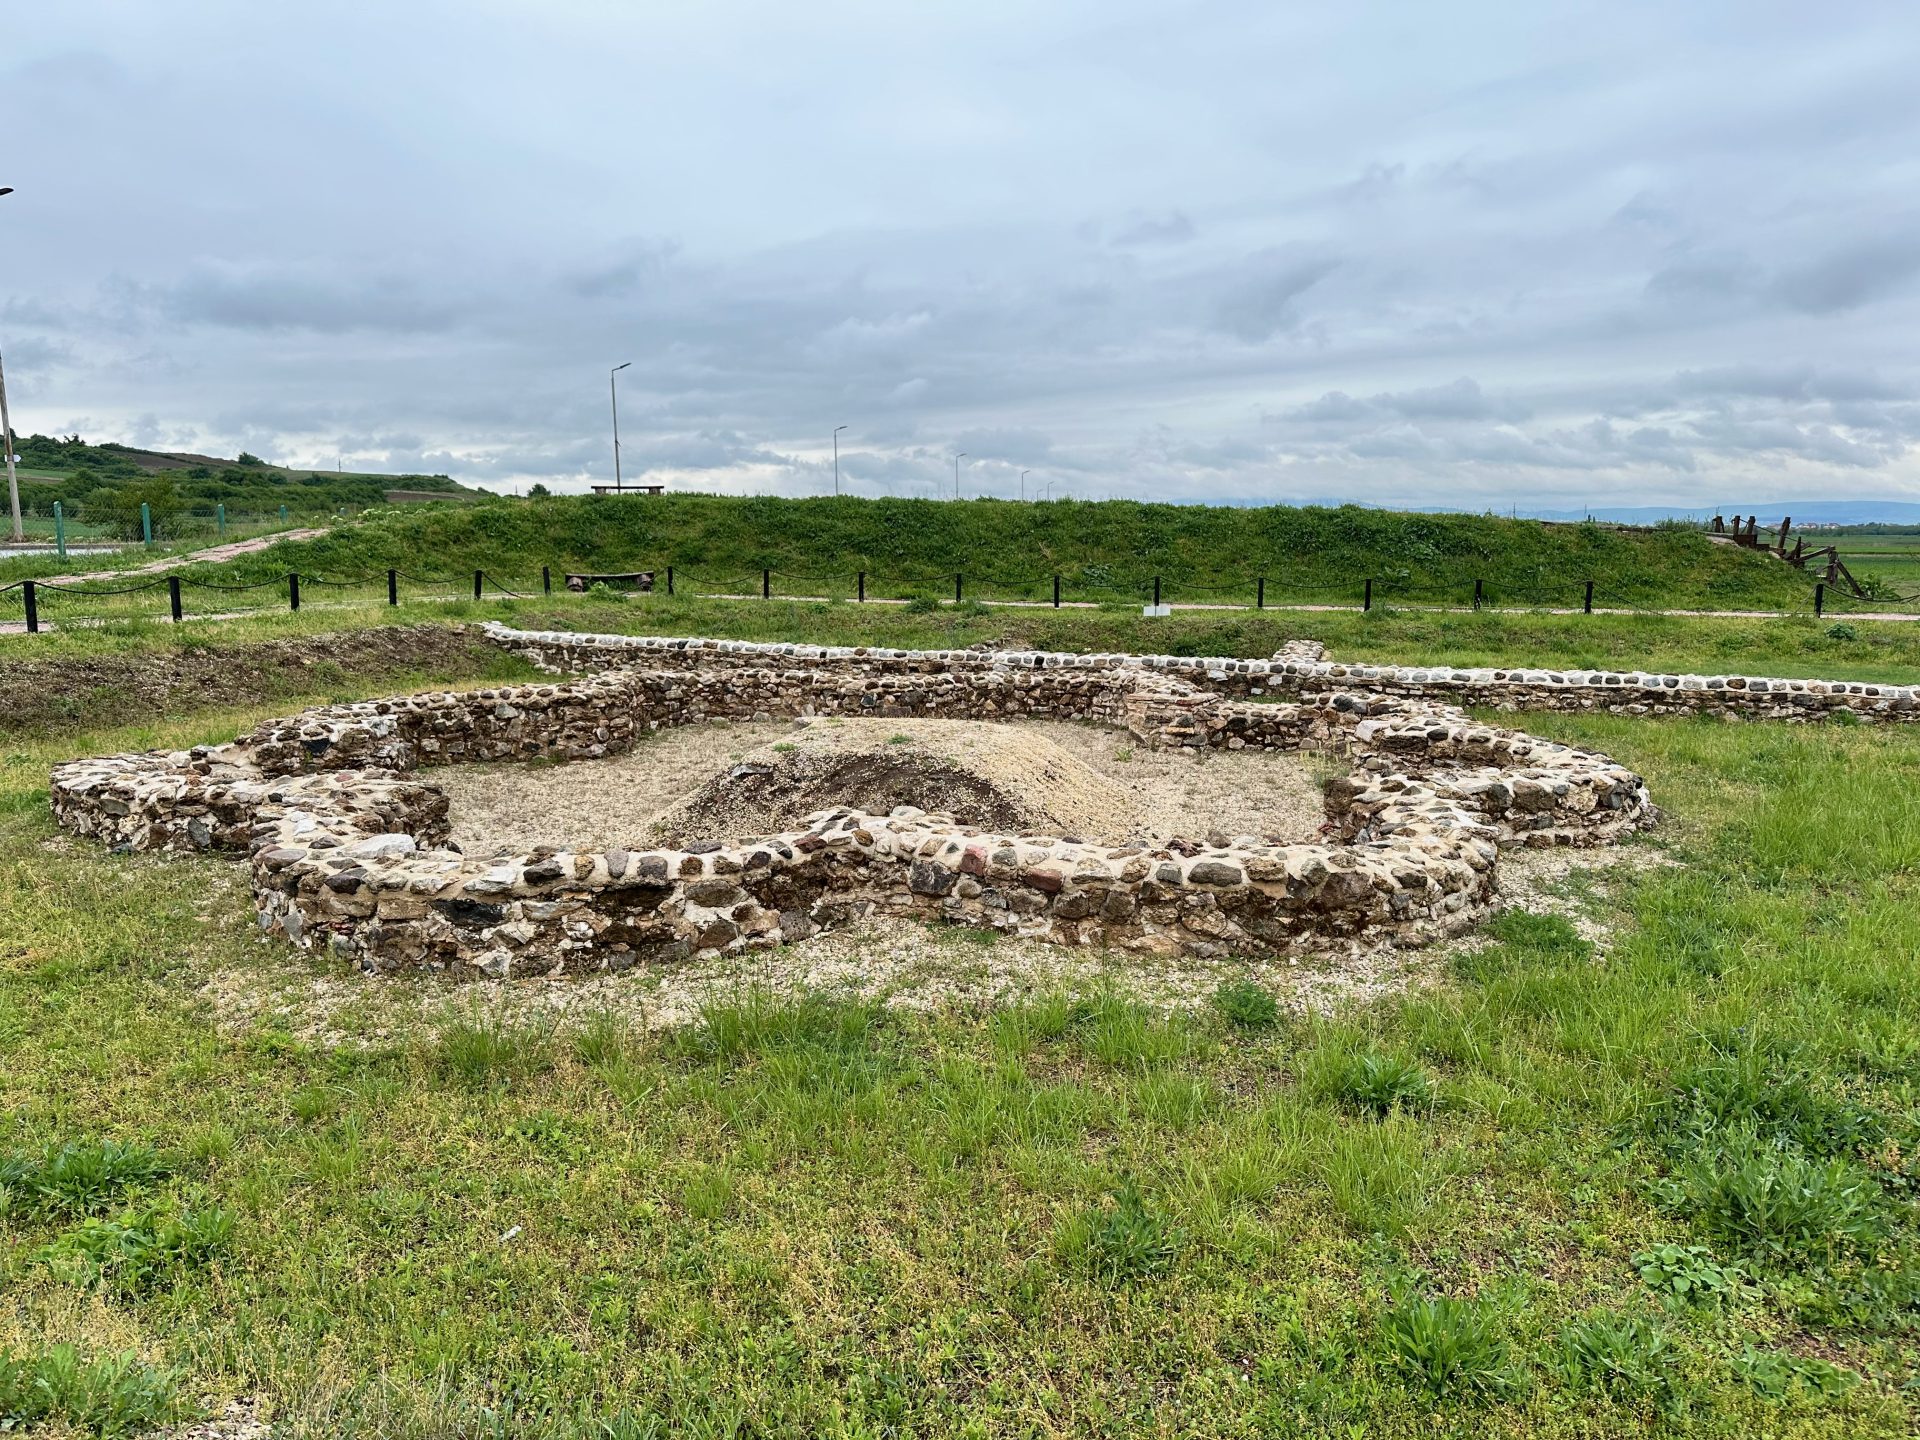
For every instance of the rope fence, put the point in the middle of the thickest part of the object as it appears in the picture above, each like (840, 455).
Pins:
(41, 602)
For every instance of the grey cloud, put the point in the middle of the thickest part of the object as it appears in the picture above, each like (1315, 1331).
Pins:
(1848, 278)
(293, 298)
(1563, 257)
(1172, 228)
(1259, 303)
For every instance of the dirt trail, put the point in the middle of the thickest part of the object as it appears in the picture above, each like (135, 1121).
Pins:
(232, 550)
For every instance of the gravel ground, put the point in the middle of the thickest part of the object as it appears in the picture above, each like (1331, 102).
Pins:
(905, 965)
(1081, 780)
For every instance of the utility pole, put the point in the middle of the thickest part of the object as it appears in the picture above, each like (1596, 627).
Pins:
(956, 473)
(6, 439)
(613, 394)
(836, 458)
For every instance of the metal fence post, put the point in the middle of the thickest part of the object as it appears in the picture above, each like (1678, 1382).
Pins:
(1156, 592)
(393, 587)
(28, 593)
(669, 579)
(546, 580)
(220, 519)
(1366, 602)
(283, 514)
(1587, 605)
(1819, 599)
(956, 588)
(146, 524)
(861, 585)
(173, 597)
(293, 589)
(59, 530)
(1260, 594)
(766, 584)
(1056, 592)
(1477, 592)
(478, 575)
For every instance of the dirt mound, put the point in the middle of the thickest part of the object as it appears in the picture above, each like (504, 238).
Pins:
(46, 696)
(999, 777)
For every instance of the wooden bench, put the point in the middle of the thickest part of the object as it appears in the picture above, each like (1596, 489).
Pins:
(631, 580)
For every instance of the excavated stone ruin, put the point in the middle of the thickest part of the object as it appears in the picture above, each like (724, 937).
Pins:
(346, 833)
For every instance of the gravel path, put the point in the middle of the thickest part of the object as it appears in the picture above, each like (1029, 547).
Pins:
(1092, 781)
(213, 554)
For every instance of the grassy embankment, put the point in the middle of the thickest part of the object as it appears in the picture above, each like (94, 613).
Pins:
(1109, 550)
(1668, 1188)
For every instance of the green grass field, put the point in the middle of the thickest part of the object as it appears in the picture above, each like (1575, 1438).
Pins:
(1666, 1186)
(1109, 550)
(1789, 646)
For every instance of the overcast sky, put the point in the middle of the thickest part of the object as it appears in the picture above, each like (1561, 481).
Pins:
(1464, 254)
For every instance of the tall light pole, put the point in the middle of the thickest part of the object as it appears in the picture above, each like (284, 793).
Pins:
(1023, 483)
(956, 473)
(1049, 489)
(6, 440)
(613, 394)
(836, 457)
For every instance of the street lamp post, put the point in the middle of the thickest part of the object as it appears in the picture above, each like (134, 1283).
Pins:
(1049, 489)
(613, 394)
(836, 457)
(1023, 483)
(956, 473)
(6, 440)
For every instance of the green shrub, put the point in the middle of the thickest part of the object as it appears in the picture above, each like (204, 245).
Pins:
(79, 1178)
(1625, 1356)
(1119, 1243)
(1842, 631)
(141, 1250)
(1750, 1093)
(921, 605)
(1247, 1005)
(1369, 1080)
(114, 1395)
(1775, 1373)
(1781, 1206)
(1689, 1275)
(1449, 1348)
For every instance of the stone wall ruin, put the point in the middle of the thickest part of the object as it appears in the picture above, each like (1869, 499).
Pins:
(345, 832)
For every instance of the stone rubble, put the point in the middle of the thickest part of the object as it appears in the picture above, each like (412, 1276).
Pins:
(347, 840)
(1296, 671)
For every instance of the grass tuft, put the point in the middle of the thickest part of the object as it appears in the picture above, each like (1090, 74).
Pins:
(1450, 1349)
(113, 1395)
(1119, 1243)
(484, 1054)
(1247, 1006)
(1372, 1081)
(80, 1177)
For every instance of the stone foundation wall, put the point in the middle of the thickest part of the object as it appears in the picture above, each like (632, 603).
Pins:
(1291, 674)
(346, 838)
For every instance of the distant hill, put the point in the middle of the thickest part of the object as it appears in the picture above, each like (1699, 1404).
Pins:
(105, 484)
(1102, 550)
